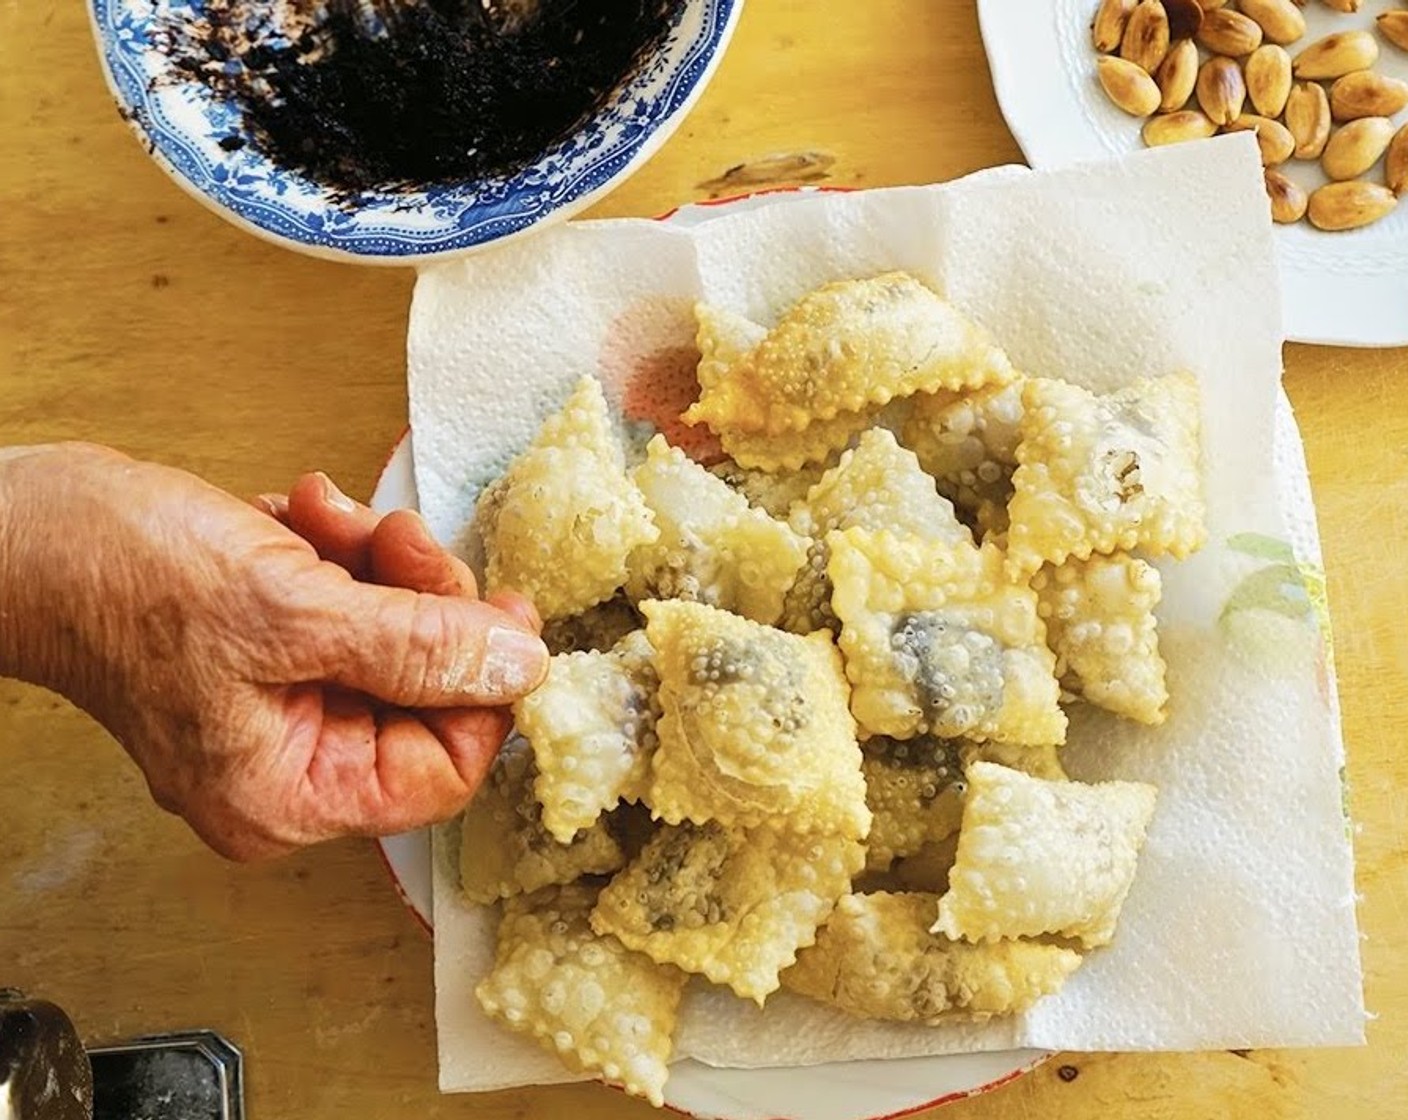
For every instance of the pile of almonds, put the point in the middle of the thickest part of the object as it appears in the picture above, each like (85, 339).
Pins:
(1324, 103)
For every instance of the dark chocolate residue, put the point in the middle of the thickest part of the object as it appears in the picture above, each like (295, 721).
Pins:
(399, 94)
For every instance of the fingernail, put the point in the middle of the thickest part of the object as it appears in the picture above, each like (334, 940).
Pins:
(515, 662)
(335, 497)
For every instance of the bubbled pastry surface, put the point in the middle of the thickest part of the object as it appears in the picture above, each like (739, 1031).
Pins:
(591, 726)
(1098, 474)
(712, 546)
(876, 485)
(847, 347)
(877, 958)
(505, 848)
(1039, 857)
(1099, 616)
(732, 904)
(937, 641)
(560, 524)
(600, 1007)
(755, 726)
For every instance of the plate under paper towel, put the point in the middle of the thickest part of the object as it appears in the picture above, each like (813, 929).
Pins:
(1240, 930)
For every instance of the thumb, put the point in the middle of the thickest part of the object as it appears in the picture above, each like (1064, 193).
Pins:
(431, 651)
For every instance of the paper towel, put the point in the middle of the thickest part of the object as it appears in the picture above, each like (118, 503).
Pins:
(1240, 930)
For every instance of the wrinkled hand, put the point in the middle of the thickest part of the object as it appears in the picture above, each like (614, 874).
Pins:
(279, 679)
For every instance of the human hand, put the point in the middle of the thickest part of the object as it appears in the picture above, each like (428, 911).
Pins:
(270, 698)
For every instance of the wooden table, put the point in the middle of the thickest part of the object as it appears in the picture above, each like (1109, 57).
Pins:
(130, 315)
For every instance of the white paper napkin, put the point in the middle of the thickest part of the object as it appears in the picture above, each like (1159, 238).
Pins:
(1240, 930)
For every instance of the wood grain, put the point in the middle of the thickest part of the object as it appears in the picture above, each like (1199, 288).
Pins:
(130, 315)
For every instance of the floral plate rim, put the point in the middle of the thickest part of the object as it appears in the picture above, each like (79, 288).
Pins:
(181, 126)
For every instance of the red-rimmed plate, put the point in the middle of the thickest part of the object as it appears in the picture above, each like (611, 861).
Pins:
(863, 1090)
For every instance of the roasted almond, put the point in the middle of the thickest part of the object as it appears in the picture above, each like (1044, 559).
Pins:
(1128, 86)
(1396, 162)
(1337, 206)
(1308, 118)
(1221, 90)
(1184, 18)
(1176, 128)
(1230, 33)
(1393, 26)
(1268, 77)
(1108, 28)
(1337, 55)
(1146, 36)
(1177, 75)
(1367, 94)
(1280, 20)
(1288, 199)
(1272, 137)
(1343, 5)
(1356, 147)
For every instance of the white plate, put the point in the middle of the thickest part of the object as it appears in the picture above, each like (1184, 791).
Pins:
(1348, 289)
(837, 1091)
(869, 1090)
(862, 1090)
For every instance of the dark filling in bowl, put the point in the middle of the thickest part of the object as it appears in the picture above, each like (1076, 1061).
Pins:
(399, 94)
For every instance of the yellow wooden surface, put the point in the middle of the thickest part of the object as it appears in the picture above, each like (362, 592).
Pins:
(130, 315)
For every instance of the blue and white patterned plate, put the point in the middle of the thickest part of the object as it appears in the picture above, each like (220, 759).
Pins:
(181, 123)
